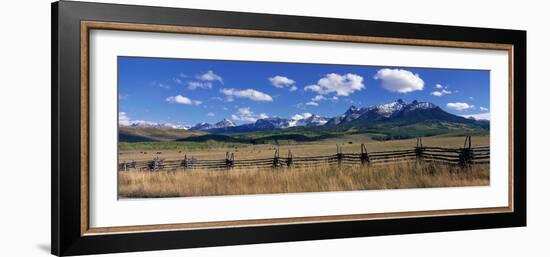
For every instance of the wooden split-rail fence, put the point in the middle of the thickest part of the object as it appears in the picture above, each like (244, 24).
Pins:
(464, 157)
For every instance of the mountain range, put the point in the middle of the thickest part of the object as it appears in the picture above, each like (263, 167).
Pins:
(148, 124)
(225, 123)
(397, 119)
(306, 120)
(398, 112)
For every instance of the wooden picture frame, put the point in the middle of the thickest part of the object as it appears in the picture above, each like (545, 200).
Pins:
(71, 25)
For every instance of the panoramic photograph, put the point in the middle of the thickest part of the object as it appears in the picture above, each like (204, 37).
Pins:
(194, 127)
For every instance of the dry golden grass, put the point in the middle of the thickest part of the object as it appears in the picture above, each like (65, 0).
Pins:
(141, 184)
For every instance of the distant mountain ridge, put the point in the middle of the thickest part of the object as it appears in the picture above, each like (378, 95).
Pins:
(395, 112)
(382, 112)
(394, 120)
(307, 120)
(148, 124)
(225, 123)
(148, 134)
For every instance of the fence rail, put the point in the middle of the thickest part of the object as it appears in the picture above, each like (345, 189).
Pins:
(463, 157)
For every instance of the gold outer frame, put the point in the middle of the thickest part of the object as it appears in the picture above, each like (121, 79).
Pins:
(87, 26)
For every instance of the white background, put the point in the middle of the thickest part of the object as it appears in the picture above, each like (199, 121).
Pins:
(25, 130)
(106, 211)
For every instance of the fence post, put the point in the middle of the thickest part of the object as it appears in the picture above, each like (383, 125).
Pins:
(289, 158)
(466, 153)
(227, 164)
(155, 164)
(276, 158)
(419, 149)
(364, 155)
(184, 163)
(468, 142)
(339, 154)
(229, 160)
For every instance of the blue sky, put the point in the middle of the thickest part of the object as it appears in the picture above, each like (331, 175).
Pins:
(187, 91)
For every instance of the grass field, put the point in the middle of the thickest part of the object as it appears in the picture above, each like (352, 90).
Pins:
(216, 150)
(144, 184)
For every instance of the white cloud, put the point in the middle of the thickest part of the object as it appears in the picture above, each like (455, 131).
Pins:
(443, 90)
(192, 85)
(399, 80)
(314, 88)
(459, 106)
(304, 115)
(318, 98)
(161, 85)
(441, 93)
(211, 114)
(281, 81)
(293, 88)
(342, 85)
(177, 80)
(179, 99)
(246, 115)
(123, 119)
(251, 94)
(210, 76)
(479, 116)
(217, 98)
(483, 108)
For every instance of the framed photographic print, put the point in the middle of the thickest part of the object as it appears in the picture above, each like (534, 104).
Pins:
(178, 128)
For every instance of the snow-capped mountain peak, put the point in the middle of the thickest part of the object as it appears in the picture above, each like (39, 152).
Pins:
(351, 110)
(398, 109)
(314, 120)
(225, 123)
(298, 120)
(389, 109)
(150, 124)
(421, 105)
(273, 122)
